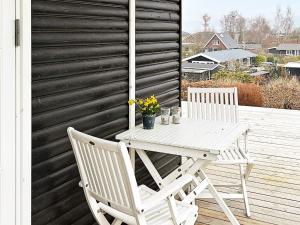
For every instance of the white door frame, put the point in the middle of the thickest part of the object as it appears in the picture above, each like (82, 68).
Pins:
(23, 115)
(15, 114)
(7, 113)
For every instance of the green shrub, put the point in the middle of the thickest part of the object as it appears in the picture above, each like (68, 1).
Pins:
(237, 76)
(271, 59)
(259, 60)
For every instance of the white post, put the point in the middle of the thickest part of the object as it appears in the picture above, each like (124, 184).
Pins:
(7, 114)
(131, 61)
(23, 115)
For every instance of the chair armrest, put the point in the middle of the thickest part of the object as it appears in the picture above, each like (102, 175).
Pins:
(171, 189)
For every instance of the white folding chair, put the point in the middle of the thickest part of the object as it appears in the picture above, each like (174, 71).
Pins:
(109, 184)
(221, 104)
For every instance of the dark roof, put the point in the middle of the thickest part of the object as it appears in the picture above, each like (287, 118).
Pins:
(225, 55)
(259, 73)
(226, 39)
(199, 66)
(250, 46)
(288, 47)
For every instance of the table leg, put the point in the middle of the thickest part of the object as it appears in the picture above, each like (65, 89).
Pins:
(132, 157)
(154, 173)
(152, 170)
(196, 168)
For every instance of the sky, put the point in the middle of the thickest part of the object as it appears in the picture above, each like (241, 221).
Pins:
(193, 10)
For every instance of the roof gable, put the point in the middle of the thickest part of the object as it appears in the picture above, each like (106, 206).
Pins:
(226, 39)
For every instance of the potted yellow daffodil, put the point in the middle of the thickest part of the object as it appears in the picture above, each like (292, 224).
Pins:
(148, 107)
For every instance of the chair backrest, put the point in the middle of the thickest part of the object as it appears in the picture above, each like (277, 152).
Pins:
(217, 104)
(106, 171)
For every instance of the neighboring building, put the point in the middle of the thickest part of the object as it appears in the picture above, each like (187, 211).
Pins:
(220, 41)
(184, 34)
(250, 46)
(198, 71)
(293, 68)
(188, 48)
(199, 38)
(286, 49)
(272, 50)
(225, 57)
(262, 74)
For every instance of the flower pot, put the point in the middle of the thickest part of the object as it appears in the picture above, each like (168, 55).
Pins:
(148, 121)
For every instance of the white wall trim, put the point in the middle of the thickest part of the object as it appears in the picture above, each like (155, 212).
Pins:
(132, 65)
(23, 115)
(7, 114)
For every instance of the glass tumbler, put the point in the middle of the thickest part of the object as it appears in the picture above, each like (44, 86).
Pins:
(176, 114)
(165, 115)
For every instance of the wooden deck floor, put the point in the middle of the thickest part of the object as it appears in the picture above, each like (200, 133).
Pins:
(274, 185)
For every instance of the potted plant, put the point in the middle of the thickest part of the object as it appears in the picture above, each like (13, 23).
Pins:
(148, 107)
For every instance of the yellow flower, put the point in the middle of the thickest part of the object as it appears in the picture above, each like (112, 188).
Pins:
(140, 102)
(146, 103)
(131, 102)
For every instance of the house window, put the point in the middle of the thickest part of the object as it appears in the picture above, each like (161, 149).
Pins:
(216, 42)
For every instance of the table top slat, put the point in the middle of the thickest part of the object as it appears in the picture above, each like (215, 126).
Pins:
(191, 134)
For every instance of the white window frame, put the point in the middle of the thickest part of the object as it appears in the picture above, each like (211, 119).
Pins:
(203, 62)
(216, 42)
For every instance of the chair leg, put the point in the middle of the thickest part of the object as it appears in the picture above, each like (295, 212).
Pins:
(191, 220)
(117, 222)
(100, 218)
(219, 200)
(244, 191)
(248, 170)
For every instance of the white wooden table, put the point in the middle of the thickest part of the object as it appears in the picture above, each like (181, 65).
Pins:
(200, 141)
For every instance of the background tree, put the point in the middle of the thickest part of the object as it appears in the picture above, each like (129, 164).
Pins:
(234, 23)
(288, 21)
(278, 23)
(259, 29)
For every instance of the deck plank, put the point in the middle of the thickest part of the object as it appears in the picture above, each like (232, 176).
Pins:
(274, 186)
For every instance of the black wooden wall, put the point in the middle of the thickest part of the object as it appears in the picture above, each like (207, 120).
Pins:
(158, 61)
(80, 79)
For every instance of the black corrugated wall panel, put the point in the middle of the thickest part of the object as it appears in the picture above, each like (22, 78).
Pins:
(158, 25)
(80, 79)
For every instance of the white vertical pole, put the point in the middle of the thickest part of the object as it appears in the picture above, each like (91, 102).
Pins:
(23, 115)
(131, 61)
(7, 114)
